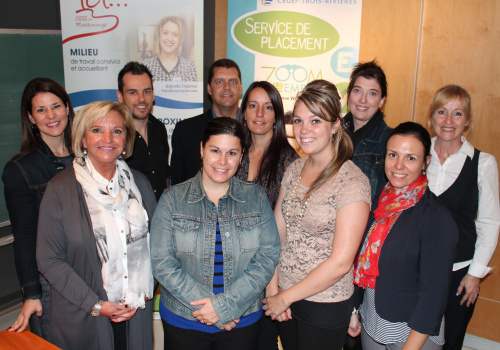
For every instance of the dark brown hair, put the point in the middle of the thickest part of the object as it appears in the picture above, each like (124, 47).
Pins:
(29, 140)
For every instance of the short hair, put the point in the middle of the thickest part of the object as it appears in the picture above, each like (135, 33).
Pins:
(176, 20)
(135, 68)
(323, 100)
(224, 126)
(268, 171)
(368, 70)
(222, 63)
(94, 111)
(416, 130)
(29, 140)
(448, 94)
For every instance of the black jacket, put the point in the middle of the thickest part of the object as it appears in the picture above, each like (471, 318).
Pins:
(186, 138)
(25, 178)
(415, 266)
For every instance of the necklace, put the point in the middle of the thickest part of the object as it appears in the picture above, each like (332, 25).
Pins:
(293, 232)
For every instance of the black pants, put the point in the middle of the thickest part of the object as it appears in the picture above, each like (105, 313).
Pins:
(120, 335)
(296, 335)
(456, 316)
(244, 338)
(353, 343)
(268, 335)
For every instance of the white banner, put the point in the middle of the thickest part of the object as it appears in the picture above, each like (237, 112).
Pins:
(292, 42)
(100, 37)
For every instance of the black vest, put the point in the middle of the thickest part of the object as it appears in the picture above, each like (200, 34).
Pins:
(462, 199)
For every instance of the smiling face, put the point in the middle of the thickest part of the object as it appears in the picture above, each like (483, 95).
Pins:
(313, 134)
(259, 113)
(221, 157)
(170, 38)
(49, 114)
(364, 100)
(105, 141)
(138, 95)
(225, 88)
(449, 122)
(405, 159)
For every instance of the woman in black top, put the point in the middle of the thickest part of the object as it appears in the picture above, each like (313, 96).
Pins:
(46, 119)
(269, 154)
(267, 157)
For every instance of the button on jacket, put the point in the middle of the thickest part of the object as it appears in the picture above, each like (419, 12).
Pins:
(183, 248)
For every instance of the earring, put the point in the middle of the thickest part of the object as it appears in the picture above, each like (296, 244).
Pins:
(124, 152)
(84, 151)
(423, 172)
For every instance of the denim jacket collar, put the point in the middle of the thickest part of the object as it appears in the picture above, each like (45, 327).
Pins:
(46, 152)
(197, 192)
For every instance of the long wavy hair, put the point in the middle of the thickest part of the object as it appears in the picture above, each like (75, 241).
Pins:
(29, 139)
(323, 100)
(268, 169)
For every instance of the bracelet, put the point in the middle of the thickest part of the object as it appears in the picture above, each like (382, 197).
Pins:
(355, 311)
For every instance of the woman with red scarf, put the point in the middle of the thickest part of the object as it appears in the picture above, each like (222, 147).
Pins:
(406, 258)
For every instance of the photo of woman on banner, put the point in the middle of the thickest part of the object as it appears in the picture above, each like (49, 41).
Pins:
(171, 50)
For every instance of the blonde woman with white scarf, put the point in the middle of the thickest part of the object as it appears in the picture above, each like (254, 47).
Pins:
(93, 238)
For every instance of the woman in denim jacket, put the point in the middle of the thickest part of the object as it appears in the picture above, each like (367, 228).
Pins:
(214, 248)
(46, 119)
(365, 124)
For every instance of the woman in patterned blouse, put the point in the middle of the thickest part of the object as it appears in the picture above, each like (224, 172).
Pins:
(321, 212)
(167, 64)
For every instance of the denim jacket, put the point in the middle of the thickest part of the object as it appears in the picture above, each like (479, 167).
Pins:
(183, 248)
(25, 178)
(369, 156)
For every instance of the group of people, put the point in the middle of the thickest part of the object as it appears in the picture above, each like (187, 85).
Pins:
(251, 241)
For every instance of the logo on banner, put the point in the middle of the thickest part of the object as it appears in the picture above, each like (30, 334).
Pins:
(285, 34)
(267, 2)
(94, 18)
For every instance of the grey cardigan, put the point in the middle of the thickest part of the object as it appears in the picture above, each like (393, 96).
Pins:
(67, 258)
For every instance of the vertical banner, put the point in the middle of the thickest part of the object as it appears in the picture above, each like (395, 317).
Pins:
(101, 36)
(292, 42)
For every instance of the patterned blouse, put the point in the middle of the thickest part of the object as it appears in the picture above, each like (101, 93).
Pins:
(300, 255)
(184, 69)
(288, 156)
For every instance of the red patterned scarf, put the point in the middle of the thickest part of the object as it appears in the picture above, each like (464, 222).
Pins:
(390, 206)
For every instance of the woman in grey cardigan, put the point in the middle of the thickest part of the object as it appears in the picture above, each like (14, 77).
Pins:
(93, 238)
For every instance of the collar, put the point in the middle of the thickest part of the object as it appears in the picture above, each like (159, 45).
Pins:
(197, 192)
(466, 148)
(101, 180)
(215, 116)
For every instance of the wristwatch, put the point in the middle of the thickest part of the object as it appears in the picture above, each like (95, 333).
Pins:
(97, 309)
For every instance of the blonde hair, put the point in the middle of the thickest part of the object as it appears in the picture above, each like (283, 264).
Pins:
(94, 111)
(176, 20)
(323, 100)
(448, 94)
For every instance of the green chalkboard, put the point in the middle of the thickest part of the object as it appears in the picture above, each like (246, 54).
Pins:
(22, 58)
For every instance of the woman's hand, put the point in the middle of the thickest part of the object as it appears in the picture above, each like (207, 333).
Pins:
(354, 326)
(230, 325)
(206, 314)
(29, 308)
(275, 306)
(471, 285)
(117, 312)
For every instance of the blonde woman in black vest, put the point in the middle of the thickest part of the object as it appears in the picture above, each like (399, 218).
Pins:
(466, 181)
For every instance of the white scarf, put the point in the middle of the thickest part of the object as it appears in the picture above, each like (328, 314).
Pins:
(107, 234)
